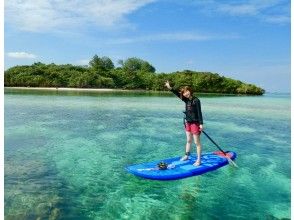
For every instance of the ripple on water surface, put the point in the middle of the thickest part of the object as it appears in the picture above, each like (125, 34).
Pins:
(65, 157)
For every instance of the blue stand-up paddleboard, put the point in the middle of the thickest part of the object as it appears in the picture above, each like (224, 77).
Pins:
(177, 169)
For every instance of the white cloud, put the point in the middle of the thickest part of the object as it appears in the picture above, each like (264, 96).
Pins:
(21, 55)
(190, 62)
(243, 9)
(278, 19)
(272, 11)
(177, 36)
(83, 62)
(48, 15)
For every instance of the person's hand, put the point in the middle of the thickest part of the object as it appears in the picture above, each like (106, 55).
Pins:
(201, 127)
(167, 85)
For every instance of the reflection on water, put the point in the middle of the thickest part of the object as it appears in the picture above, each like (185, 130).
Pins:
(65, 154)
(102, 92)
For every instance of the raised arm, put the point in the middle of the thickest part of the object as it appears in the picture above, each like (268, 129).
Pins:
(173, 90)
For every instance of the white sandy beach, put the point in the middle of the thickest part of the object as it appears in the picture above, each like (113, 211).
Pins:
(108, 90)
(76, 89)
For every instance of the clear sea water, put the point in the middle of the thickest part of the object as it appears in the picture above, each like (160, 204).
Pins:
(66, 153)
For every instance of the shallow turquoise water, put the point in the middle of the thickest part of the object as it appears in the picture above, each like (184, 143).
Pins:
(65, 155)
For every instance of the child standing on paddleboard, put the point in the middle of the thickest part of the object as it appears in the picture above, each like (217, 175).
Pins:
(193, 120)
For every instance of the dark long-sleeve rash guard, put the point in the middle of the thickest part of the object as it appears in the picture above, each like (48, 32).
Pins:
(193, 108)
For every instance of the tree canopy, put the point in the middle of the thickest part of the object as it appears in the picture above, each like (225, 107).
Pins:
(133, 73)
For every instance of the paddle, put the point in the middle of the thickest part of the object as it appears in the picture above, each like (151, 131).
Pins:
(229, 159)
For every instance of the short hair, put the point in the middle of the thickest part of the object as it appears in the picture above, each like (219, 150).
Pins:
(184, 89)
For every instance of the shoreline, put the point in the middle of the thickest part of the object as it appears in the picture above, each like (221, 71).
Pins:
(79, 89)
(62, 89)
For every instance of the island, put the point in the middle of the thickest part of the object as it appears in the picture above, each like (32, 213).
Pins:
(131, 74)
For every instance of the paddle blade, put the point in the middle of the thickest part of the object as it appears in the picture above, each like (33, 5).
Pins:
(227, 156)
(231, 162)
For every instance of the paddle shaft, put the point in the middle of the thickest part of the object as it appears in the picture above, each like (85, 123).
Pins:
(213, 142)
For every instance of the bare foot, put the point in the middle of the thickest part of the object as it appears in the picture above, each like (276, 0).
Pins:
(184, 158)
(197, 163)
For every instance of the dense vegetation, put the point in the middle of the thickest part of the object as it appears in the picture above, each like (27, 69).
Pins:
(132, 73)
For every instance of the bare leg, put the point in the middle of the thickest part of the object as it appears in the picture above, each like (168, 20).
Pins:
(188, 145)
(198, 146)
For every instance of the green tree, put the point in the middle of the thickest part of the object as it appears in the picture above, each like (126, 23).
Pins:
(101, 66)
(134, 73)
(135, 64)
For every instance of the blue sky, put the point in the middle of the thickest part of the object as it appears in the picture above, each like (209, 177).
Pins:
(245, 40)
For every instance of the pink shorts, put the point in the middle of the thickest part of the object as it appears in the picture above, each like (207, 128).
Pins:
(194, 128)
